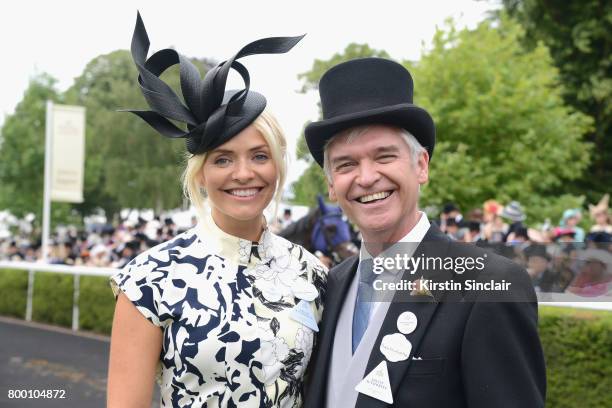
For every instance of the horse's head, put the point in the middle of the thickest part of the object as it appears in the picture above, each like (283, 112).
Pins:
(331, 233)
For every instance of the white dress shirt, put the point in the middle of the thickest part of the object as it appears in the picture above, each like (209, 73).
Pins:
(415, 236)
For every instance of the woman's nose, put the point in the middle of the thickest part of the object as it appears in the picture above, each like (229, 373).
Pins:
(243, 171)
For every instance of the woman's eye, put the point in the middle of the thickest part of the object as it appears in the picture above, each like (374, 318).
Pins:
(222, 161)
(261, 157)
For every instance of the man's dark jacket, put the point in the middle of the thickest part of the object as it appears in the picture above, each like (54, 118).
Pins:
(476, 349)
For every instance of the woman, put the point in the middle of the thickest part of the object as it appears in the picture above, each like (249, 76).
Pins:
(225, 313)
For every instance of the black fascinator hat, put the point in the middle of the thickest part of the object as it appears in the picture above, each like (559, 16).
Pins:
(212, 114)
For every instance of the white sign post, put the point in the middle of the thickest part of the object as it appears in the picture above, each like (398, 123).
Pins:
(64, 161)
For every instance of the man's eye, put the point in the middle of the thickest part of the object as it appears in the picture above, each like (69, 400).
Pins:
(386, 158)
(344, 166)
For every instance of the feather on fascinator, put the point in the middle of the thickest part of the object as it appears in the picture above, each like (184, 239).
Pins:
(212, 114)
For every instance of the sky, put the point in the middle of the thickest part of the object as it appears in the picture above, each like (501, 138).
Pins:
(60, 37)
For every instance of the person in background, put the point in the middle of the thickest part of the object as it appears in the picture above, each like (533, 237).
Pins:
(476, 235)
(570, 219)
(600, 214)
(287, 218)
(450, 211)
(513, 212)
(494, 228)
(13, 252)
(99, 256)
(538, 267)
(594, 277)
(451, 228)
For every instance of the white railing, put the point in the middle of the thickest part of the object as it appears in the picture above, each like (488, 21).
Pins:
(76, 271)
(603, 302)
(545, 299)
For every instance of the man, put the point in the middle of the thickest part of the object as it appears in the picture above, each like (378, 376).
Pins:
(450, 217)
(425, 348)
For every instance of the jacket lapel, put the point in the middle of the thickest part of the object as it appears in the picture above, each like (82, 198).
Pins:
(336, 293)
(435, 243)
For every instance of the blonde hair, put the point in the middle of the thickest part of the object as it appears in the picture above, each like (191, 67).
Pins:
(271, 131)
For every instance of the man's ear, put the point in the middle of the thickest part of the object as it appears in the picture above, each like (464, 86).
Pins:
(331, 192)
(423, 168)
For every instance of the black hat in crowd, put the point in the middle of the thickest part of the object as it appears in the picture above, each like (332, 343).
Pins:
(449, 208)
(536, 250)
(212, 114)
(368, 91)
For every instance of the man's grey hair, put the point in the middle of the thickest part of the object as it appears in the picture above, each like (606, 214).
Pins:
(415, 148)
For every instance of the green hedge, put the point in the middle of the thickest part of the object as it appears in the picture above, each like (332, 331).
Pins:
(13, 291)
(52, 302)
(577, 343)
(578, 350)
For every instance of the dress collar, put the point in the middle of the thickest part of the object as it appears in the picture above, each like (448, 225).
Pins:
(228, 246)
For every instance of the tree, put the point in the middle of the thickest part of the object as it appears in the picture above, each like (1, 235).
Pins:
(578, 36)
(22, 153)
(503, 128)
(128, 163)
(312, 182)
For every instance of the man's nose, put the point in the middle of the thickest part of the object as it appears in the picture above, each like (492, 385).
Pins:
(368, 174)
(243, 171)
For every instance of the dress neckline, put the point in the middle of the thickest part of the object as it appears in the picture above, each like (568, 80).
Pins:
(230, 246)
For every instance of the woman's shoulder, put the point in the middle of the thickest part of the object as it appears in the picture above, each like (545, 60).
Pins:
(181, 247)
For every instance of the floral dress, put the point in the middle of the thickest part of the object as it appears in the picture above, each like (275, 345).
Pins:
(228, 307)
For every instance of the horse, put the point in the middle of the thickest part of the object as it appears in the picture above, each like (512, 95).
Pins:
(324, 231)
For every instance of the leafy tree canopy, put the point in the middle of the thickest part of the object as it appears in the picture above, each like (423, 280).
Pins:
(578, 36)
(503, 129)
(127, 164)
(22, 153)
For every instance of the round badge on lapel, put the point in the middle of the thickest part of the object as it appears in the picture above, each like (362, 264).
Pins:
(406, 322)
(395, 347)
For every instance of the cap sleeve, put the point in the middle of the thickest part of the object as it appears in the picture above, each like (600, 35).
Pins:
(142, 283)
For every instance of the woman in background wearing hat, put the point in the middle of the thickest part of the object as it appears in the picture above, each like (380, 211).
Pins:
(570, 219)
(225, 314)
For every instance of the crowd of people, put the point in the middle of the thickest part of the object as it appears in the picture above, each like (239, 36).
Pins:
(102, 246)
(559, 258)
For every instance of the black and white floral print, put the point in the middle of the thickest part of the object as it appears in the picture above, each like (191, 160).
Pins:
(224, 306)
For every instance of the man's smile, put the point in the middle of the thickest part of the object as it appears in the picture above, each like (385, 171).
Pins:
(374, 197)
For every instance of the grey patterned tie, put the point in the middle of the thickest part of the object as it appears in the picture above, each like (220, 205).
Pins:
(365, 292)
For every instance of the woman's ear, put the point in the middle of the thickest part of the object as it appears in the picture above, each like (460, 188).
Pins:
(201, 178)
